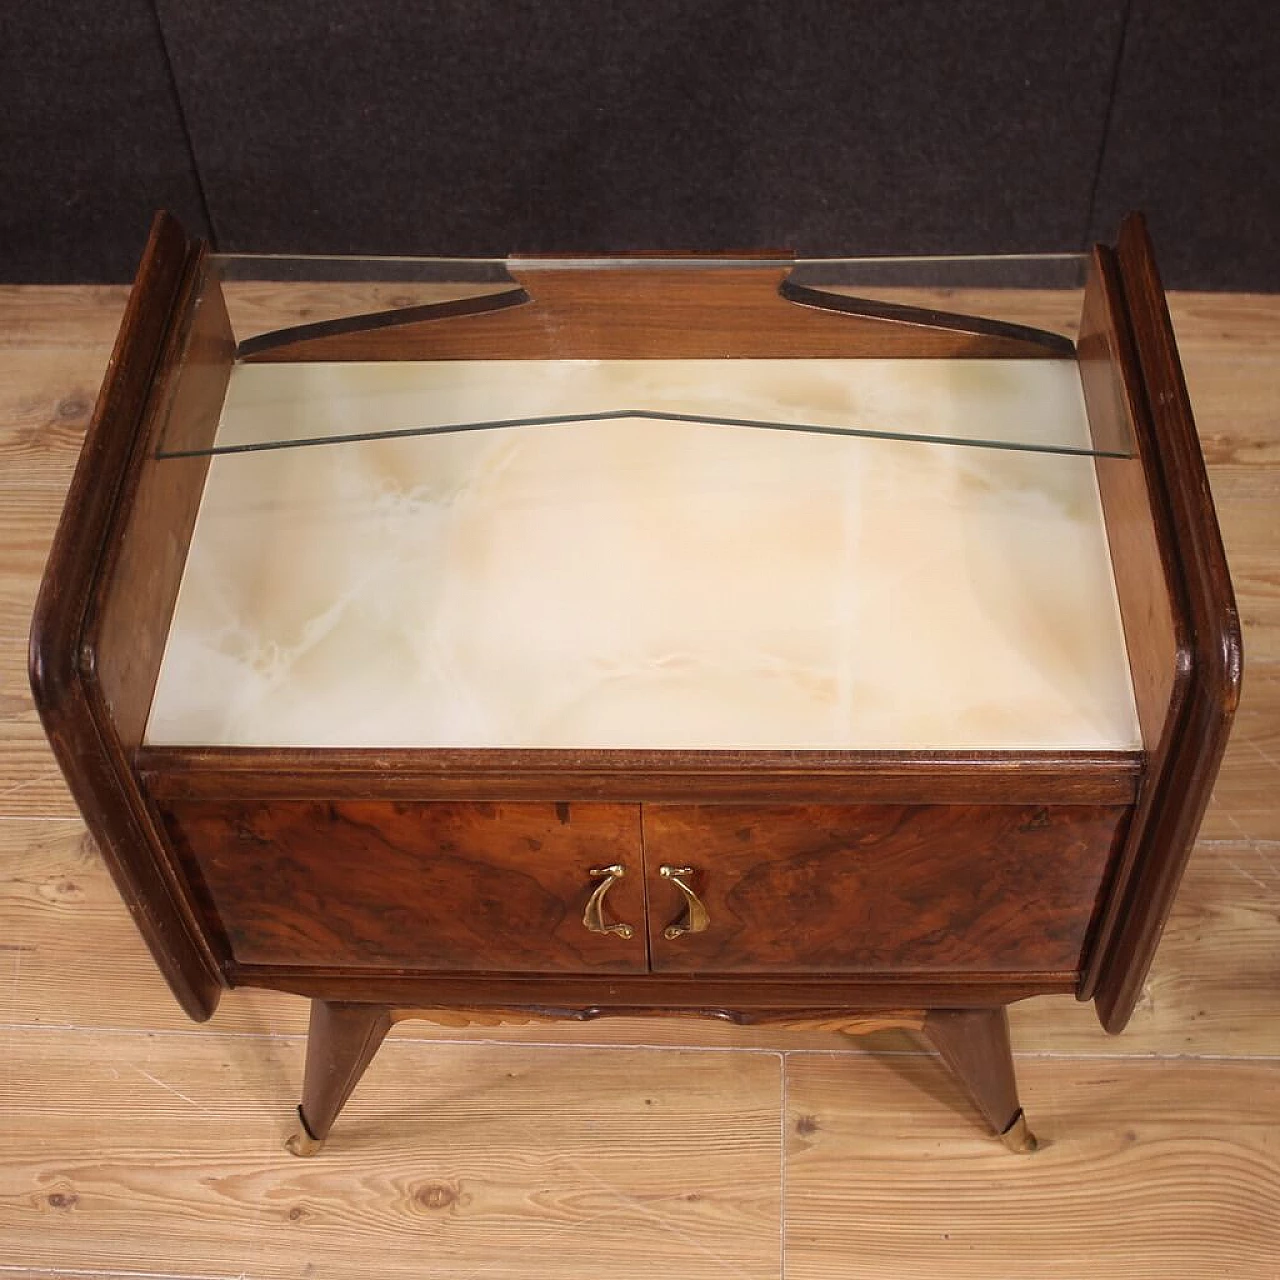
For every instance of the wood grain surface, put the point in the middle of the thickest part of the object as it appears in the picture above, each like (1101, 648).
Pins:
(259, 307)
(499, 1161)
(878, 888)
(586, 313)
(464, 887)
(131, 1141)
(1149, 1170)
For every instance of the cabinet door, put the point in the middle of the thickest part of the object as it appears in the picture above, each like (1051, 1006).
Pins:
(874, 888)
(459, 887)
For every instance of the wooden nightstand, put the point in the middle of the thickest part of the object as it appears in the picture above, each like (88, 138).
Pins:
(641, 636)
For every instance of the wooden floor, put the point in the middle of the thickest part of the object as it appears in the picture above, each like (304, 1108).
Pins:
(135, 1143)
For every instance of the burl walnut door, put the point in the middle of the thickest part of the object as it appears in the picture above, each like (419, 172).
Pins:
(440, 886)
(873, 888)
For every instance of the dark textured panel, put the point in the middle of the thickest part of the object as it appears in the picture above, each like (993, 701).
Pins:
(91, 142)
(1195, 142)
(487, 126)
(931, 128)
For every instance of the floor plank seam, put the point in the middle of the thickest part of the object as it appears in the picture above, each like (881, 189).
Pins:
(62, 817)
(1240, 842)
(853, 1050)
(300, 1037)
(109, 1274)
(783, 1068)
(35, 817)
(26, 348)
(1058, 1055)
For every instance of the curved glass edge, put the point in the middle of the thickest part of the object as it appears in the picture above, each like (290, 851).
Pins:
(1026, 405)
(264, 293)
(802, 428)
(248, 266)
(325, 268)
(268, 291)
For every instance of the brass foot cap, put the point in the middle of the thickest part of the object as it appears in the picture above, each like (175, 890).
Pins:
(1019, 1138)
(302, 1143)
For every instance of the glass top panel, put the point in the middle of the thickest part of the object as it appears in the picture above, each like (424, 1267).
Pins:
(285, 393)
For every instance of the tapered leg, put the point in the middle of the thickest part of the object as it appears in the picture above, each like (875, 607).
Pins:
(341, 1043)
(974, 1043)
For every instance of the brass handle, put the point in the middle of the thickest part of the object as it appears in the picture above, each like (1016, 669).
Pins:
(593, 916)
(695, 914)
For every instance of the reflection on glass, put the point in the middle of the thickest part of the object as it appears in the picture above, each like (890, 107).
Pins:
(276, 401)
(1019, 404)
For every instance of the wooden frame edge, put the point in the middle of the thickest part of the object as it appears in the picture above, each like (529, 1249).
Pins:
(62, 666)
(1207, 687)
(673, 994)
(192, 773)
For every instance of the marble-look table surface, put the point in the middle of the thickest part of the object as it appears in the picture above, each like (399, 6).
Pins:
(649, 584)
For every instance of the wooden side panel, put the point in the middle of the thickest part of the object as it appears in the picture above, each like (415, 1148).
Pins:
(64, 678)
(622, 314)
(142, 571)
(863, 889)
(1206, 690)
(461, 887)
(1145, 574)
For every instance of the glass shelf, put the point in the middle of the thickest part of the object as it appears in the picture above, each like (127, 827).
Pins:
(282, 307)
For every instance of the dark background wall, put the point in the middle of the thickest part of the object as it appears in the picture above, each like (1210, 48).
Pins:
(491, 126)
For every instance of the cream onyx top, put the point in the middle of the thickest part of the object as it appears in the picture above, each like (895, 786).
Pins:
(650, 584)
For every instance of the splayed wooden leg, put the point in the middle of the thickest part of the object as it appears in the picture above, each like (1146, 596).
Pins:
(341, 1043)
(974, 1043)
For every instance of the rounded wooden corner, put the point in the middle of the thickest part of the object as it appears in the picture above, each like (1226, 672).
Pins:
(1183, 761)
(51, 660)
(62, 660)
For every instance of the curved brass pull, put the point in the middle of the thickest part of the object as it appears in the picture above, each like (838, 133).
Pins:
(696, 918)
(593, 916)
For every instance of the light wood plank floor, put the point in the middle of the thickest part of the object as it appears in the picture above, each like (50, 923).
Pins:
(135, 1143)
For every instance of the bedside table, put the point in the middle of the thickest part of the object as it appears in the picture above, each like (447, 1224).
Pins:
(561, 638)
